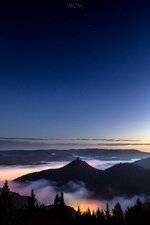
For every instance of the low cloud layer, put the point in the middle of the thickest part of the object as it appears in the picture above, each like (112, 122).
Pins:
(12, 172)
(46, 191)
(76, 194)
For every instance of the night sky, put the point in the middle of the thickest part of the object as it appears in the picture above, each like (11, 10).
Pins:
(78, 70)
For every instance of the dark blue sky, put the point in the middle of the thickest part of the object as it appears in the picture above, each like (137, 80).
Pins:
(75, 72)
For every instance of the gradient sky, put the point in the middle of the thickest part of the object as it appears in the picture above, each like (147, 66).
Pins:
(75, 72)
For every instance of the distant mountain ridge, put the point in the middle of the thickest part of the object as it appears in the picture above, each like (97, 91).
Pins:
(124, 179)
(36, 157)
(145, 163)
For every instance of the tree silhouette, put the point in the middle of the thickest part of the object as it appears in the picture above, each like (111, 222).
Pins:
(118, 215)
(61, 214)
(78, 217)
(107, 214)
(7, 205)
(31, 203)
(100, 216)
(56, 200)
(59, 200)
(5, 192)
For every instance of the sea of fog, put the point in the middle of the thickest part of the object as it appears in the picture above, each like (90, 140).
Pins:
(12, 172)
(45, 191)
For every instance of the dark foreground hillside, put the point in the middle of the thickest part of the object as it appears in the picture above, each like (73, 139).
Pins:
(59, 213)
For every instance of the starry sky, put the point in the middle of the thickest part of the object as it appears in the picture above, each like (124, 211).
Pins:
(75, 69)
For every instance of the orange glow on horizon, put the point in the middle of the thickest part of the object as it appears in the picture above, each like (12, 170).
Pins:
(85, 204)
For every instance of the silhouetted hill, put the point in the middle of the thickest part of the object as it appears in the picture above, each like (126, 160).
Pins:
(120, 180)
(145, 163)
(127, 179)
(77, 170)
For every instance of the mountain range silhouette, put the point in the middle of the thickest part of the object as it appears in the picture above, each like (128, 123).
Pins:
(124, 179)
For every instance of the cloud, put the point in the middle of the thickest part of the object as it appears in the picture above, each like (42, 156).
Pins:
(11, 172)
(29, 143)
(24, 138)
(67, 139)
(78, 196)
(106, 139)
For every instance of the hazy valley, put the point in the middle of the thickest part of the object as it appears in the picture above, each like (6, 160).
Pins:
(114, 175)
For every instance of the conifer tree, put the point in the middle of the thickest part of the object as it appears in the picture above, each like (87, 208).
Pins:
(100, 216)
(78, 216)
(61, 199)
(118, 215)
(7, 205)
(31, 203)
(107, 214)
(5, 192)
(56, 200)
